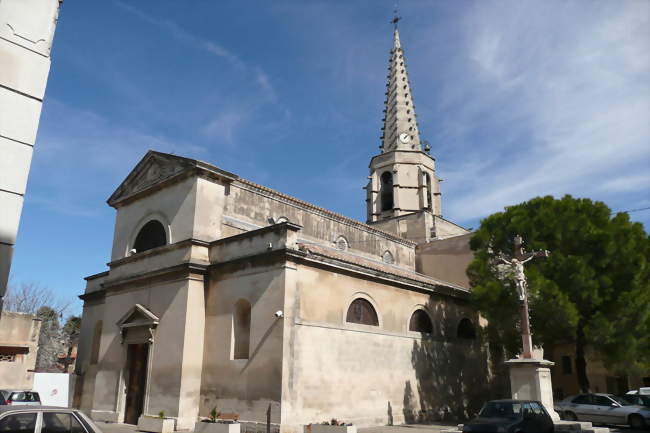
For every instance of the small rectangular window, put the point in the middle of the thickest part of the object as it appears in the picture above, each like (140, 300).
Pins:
(566, 365)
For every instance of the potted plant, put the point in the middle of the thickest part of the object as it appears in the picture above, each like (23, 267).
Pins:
(156, 424)
(332, 426)
(218, 423)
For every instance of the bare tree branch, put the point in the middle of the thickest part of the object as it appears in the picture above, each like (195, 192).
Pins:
(29, 297)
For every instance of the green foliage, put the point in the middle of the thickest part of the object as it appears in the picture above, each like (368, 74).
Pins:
(596, 278)
(214, 414)
(49, 317)
(161, 414)
(72, 326)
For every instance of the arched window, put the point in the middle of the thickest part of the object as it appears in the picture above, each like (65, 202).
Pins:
(341, 243)
(466, 329)
(386, 191)
(361, 311)
(421, 322)
(427, 185)
(151, 235)
(387, 257)
(241, 329)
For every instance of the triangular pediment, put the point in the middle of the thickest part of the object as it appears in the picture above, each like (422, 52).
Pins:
(154, 168)
(138, 316)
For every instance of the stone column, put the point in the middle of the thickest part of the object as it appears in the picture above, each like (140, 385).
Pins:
(530, 379)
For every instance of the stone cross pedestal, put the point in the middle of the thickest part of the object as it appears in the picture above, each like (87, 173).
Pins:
(530, 375)
(530, 379)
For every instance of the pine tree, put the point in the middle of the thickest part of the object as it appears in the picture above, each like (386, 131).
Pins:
(594, 289)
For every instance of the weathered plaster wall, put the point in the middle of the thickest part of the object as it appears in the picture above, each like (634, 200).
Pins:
(18, 336)
(414, 226)
(256, 209)
(445, 259)
(174, 207)
(245, 386)
(444, 229)
(176, 356)
(88, 351)
(374, 375)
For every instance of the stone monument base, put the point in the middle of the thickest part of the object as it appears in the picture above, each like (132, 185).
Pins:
(530, 379)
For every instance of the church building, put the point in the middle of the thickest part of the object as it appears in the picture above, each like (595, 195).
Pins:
(223, 293)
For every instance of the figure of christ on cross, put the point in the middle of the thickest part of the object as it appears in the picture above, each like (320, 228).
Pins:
(517, 266)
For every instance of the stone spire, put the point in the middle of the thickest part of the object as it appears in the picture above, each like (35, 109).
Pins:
(400, 131)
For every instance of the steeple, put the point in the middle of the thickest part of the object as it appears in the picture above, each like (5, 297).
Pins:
(403, 190)
(400, 122)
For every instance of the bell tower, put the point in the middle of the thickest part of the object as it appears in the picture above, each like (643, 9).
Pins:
(403, 184)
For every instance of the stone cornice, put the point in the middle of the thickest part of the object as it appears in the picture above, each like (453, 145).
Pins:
(182, 268)
(183, 168)
(252, 233)
(384, 273)
(95, 276)
(97, 295)
(158, 250)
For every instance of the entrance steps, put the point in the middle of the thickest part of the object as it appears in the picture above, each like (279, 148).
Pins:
(560, 427)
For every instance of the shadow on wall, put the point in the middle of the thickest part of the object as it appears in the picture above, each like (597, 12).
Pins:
(455, 371)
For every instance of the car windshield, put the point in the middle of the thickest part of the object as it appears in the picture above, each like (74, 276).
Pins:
(24, 397)
(619, 400)
(501, 409)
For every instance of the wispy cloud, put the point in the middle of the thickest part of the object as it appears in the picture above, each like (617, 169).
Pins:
(86, 155)
(553, 102)
(224, 125)
(211, 47)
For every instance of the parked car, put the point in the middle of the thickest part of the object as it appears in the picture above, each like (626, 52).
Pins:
(642, 391)
(19, 396)
(511, 416)
(603, 408)
(41, 419)
(638, 399)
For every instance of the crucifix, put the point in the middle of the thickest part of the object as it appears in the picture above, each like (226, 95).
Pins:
(516, 264)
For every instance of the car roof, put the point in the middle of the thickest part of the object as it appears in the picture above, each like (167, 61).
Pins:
(24, 407)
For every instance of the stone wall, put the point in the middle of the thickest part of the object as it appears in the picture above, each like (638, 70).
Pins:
(18, 349)
(375, 375)
(250, 206)
(446, 259)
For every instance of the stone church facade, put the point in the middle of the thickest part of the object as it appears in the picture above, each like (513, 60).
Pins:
(224, 293)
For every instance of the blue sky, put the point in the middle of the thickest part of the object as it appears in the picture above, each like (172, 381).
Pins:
(517, 98)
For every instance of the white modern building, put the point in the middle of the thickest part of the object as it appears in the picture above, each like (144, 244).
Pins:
(26, 32)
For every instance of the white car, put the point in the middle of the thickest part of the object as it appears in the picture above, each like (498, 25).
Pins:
(603, 408)
(44, 419)
(640, 391)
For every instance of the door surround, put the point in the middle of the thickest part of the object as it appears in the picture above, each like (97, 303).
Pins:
(137, 327)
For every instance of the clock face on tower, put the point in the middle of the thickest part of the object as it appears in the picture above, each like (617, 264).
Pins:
(404, 137)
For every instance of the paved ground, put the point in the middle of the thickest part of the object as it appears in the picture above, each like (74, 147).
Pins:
(127, 428)
(419, 428)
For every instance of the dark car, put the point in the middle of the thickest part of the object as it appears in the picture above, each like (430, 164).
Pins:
(42, 419)
(19, 396)
(511, 416)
